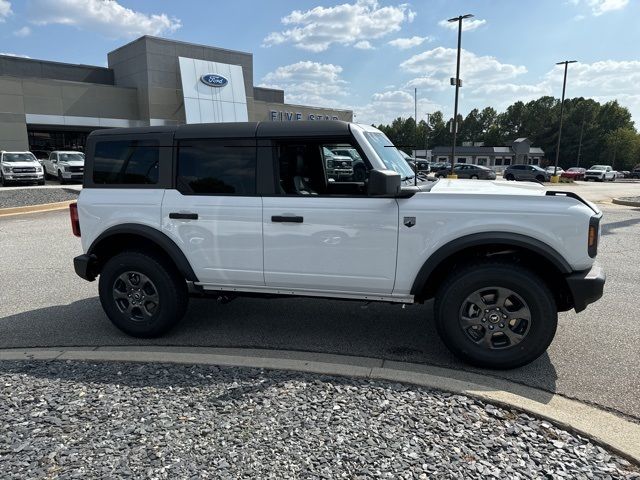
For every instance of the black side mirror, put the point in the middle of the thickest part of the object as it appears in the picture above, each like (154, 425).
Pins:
(384, 183)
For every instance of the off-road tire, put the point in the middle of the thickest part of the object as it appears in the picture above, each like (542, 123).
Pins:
(171, 290)
(460, 284)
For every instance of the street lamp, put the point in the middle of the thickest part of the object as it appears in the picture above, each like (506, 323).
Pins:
(457, 85)
(566, 63)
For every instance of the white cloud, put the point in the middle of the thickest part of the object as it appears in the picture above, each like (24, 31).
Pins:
(598, 7)
(363, 45)
(5, 9)
(467, 24)
(384, 107)
(406, 43)
(440, 64)
(603, 77)
(19, 55)
(309, 83)
(346, 24)
(429, 83)
(22, 32)
(105, 16)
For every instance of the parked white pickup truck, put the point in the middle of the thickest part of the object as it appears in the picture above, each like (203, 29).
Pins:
(248, 209)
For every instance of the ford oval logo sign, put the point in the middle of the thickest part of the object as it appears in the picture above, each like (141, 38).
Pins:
(213, 80)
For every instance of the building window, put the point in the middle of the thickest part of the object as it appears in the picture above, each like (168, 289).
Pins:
(131, 162)
(461, 160)
(498, 161)
(535, 161)
(507, 161)
(443, 159)
(482, 161)
(216, 167)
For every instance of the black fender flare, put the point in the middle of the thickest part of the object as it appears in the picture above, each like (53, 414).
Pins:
(506, 239)
(154, 235)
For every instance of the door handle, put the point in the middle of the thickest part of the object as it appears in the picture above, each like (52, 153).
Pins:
(287, 219)
(183, 216)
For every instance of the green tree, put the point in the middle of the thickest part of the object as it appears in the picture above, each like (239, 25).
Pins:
(623, 149)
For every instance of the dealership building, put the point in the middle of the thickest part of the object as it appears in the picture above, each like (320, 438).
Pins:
(148, 82)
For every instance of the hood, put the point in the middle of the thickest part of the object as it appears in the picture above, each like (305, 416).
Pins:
(595, 171)
(73, 163)
(488, 187)
(33, 163)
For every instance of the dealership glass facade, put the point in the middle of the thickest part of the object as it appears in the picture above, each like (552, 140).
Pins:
(44, 139)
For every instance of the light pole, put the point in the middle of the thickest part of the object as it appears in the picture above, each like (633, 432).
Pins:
(566, 63)
(457, 85)
(415, 120)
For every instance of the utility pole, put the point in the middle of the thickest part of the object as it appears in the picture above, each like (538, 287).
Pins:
(457, 84)
(580, 143)
(564, 86)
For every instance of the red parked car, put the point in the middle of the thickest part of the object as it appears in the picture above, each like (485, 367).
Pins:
(574, 173)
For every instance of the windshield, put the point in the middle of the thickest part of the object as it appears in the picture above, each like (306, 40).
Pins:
(19, 157)
(71, 157)
(389, 154)
(598, 167)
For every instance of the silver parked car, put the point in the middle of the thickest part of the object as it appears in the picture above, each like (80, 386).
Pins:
(526, 172)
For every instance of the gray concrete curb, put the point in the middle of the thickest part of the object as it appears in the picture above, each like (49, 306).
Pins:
(43, 207)
(617, 434)
(628, 203)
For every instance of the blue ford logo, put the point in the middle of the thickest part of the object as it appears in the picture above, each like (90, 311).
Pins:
(213, 80)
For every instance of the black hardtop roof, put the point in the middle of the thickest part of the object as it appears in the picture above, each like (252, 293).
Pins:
(239, 129)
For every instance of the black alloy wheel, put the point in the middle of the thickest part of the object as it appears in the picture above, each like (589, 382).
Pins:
(142, 294)
(495, 314)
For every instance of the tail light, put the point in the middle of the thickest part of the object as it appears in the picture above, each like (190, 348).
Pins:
(75, 221)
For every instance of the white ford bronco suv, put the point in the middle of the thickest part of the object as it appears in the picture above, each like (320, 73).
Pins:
(247, 209)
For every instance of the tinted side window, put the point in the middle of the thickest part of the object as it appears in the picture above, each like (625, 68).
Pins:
(214, 167)
(133, 162)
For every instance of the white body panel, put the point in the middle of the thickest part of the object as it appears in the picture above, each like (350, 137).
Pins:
(343, 244)
(102, 208)
(224, 245)
(559, 222)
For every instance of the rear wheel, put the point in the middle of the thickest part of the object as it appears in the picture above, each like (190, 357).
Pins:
(474, 177)
(495, 315)
(141, 294)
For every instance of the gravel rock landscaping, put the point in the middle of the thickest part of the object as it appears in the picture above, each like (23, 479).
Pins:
(115, 420)
(20, 197)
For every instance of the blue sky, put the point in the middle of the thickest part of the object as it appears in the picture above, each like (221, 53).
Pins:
(365, 55)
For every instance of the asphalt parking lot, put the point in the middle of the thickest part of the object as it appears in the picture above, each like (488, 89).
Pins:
(593, 357)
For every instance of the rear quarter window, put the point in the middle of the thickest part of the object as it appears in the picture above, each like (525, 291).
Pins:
(126, 162)
(217, 167)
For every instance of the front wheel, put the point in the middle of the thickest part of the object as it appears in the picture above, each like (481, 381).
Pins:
(509, 176)
(540, 178)
(142, 294)
(495, 315)
(61, 179)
